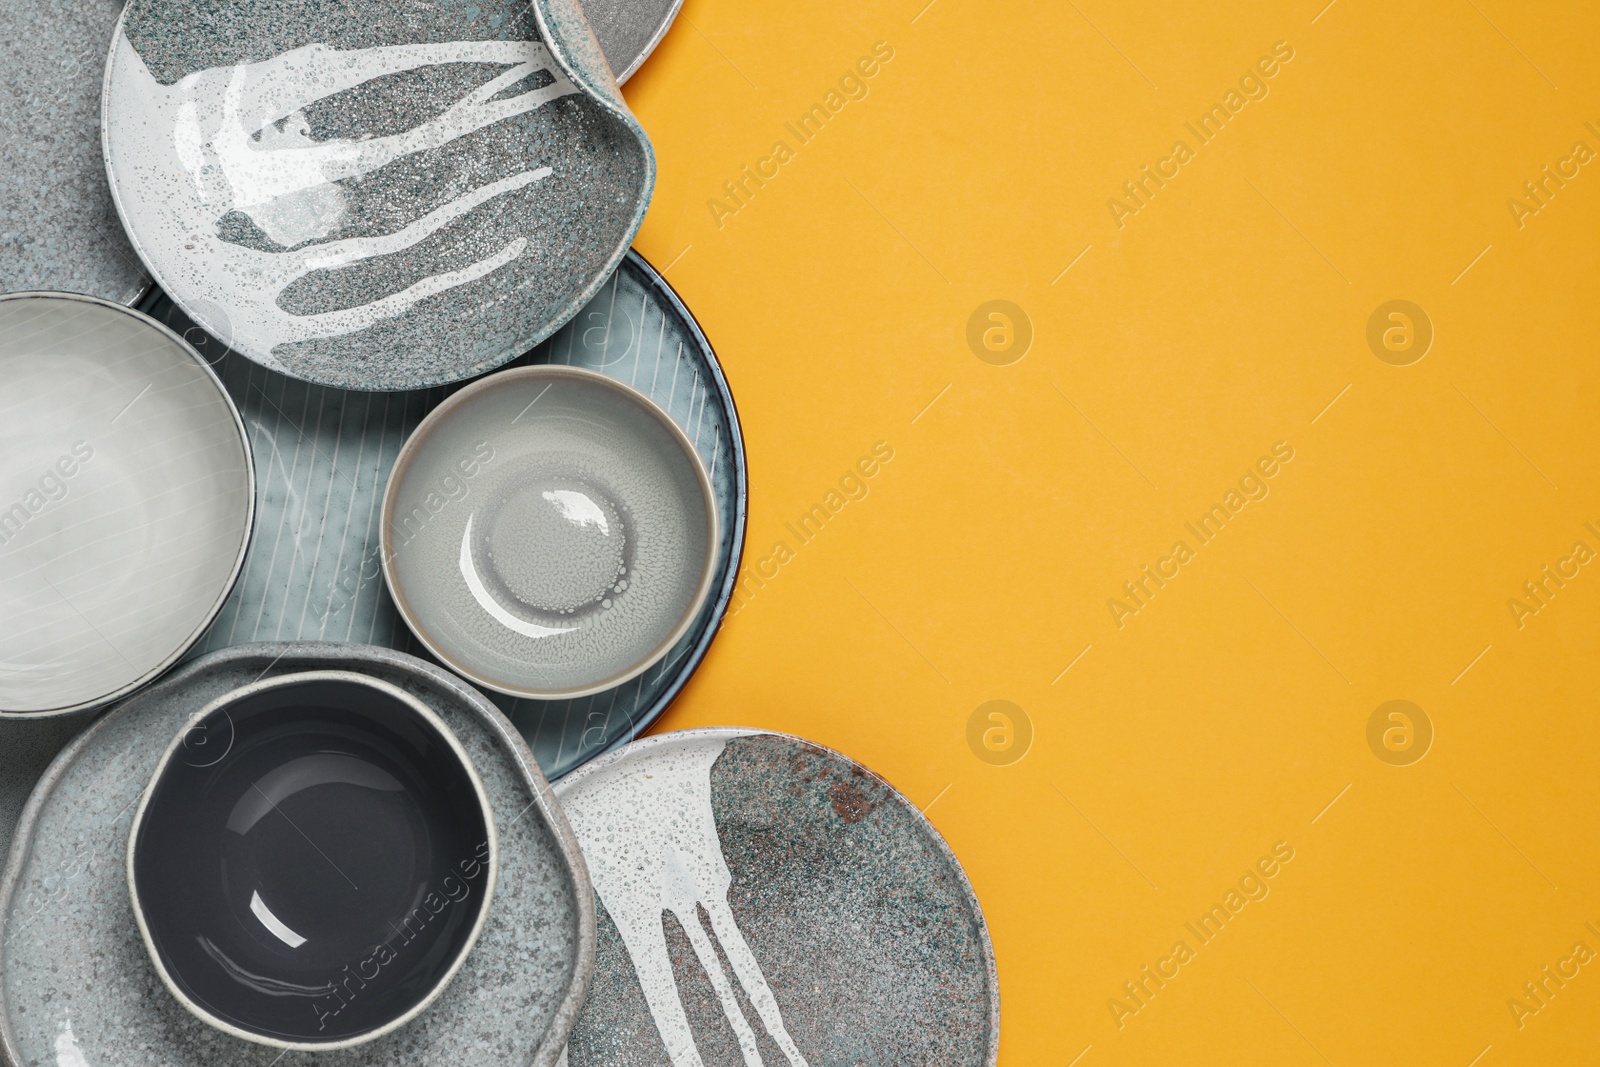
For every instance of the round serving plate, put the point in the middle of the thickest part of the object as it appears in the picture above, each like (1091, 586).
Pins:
(323, 457)
(78, 985)
(763, 899)
(58, 228)
(126, 498)
(372, 195)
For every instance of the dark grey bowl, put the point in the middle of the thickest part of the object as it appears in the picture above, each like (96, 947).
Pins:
(312, 860)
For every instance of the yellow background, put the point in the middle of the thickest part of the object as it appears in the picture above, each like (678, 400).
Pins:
(1224, 317)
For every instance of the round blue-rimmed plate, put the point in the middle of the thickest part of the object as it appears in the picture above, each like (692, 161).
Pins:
(323, 457)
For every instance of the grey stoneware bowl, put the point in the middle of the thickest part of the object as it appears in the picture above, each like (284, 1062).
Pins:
(549, 532)
(77, 985)
(312, 860)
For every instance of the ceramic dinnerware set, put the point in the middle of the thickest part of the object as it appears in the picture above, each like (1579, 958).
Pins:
(356, 481)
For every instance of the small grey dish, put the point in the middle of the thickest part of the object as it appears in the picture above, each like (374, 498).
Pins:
(763, 899)
(549, 532)
(77, 985)
(127, 494)
(58, 228)
(370, 195)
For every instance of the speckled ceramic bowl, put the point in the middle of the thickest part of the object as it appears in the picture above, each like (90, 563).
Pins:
(58, 227)
(78, 984)
(549, 532)
(368, 194)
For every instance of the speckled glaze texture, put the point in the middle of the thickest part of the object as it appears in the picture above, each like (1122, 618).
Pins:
(629, 30)
(549, 529)
(372, 195)
(30, 745)
(859, 920)
(80, 989)
(323, 457)
(58, 229)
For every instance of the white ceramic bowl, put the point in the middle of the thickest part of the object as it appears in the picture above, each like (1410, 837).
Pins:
(127, 494)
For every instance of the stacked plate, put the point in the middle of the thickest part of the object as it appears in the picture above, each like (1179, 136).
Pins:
(756, 898)
(351, 459)
(324, 458)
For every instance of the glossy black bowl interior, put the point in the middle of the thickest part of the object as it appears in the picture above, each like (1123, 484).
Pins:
(311, 861)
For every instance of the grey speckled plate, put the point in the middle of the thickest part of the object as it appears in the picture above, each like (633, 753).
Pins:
(367, 194)
(58, 229)
(767, 900)
(323, 457)
(629, 30)
(79, 987)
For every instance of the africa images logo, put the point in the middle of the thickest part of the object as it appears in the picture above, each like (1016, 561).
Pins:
(740, 190)
(1253, 886)
(1253, 85)
(1138, 591)
(347, 986)
(51, 488)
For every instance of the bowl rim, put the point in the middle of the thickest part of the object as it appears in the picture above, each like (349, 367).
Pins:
(419, 438)
(226, 588)
(442, 730)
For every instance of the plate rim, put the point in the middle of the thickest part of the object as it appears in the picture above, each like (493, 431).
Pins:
(614, 757)
(249, 519)
(650, 45)
(548, 1053)
(738, 523)
(145, 282)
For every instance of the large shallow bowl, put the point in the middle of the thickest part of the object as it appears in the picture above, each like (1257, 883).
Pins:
(367, 194)
(126, 499)
(312, 861)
